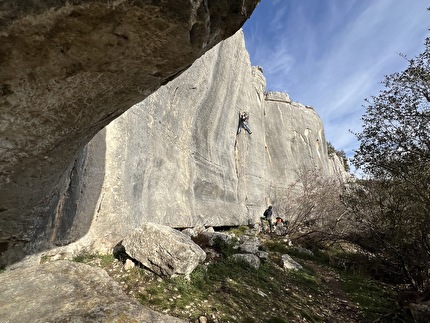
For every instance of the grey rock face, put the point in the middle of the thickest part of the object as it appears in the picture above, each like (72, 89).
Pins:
(68, 68)
(175, 158)
(163, 250)
(65, 291)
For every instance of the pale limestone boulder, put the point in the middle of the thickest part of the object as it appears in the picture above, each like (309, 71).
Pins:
(280, 230)
(64, 291)
(68, 68)
(303, 251)
(203, 319)
(163, 250)
(129, 264)
(250, 245)
(289, 263)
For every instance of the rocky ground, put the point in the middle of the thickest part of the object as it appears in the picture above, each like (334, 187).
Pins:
(222, 290)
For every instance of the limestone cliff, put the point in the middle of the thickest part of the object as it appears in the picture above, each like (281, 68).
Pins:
(68, 68)
(176, 157)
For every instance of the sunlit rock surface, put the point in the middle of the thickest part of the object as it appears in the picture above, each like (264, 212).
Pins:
(64, 291)
(176, 159)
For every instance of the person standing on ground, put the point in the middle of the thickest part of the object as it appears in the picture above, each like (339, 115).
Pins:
(267, 215)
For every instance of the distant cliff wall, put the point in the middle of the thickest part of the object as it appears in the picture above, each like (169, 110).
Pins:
(176, 159)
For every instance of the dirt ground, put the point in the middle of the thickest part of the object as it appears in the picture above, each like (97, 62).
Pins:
(343, 308)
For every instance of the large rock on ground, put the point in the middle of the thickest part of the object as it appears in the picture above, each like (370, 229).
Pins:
(250, 245)
(68, 68)
(64, 291)
(289, 263)
(163, 250)
(252, 260)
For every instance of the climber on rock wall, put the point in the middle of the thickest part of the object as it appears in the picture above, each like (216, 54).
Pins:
(243, 122)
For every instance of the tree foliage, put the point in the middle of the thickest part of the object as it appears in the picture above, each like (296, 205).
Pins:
(340, 153)
(396, 125)
(391, 227)
(392, 207)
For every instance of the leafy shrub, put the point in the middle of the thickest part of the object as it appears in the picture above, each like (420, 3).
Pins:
(226, 249)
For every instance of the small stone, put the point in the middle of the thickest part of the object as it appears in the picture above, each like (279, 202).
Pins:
(203, 319)
(129, 264)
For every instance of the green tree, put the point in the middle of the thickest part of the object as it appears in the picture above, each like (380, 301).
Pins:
(393, 205)
(392, 228)
(396, 126)
(340, 153)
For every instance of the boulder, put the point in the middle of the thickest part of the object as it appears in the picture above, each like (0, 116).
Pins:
(129, 264)
(163, 250)
(289, 263)
(252, 260)
(254, 229)
(210, 237)
(303, 251)
(64, 291)
(280, 230)
(250, 245)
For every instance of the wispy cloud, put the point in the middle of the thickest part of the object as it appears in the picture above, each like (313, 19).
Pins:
(333, 54)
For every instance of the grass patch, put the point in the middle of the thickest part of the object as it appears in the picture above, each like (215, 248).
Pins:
(375, 298)
(276, 246)
(239, 231)
(226, 249)
(233, 291)
(104, 260)
(44, 259)
(224, 290)
(84, 257)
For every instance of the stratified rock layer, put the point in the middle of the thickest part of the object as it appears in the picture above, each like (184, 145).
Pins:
(68, 68)
(176, 159)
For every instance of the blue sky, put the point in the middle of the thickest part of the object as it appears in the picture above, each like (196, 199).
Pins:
(332, 54)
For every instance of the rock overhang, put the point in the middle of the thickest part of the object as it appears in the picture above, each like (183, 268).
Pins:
(68, 69)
